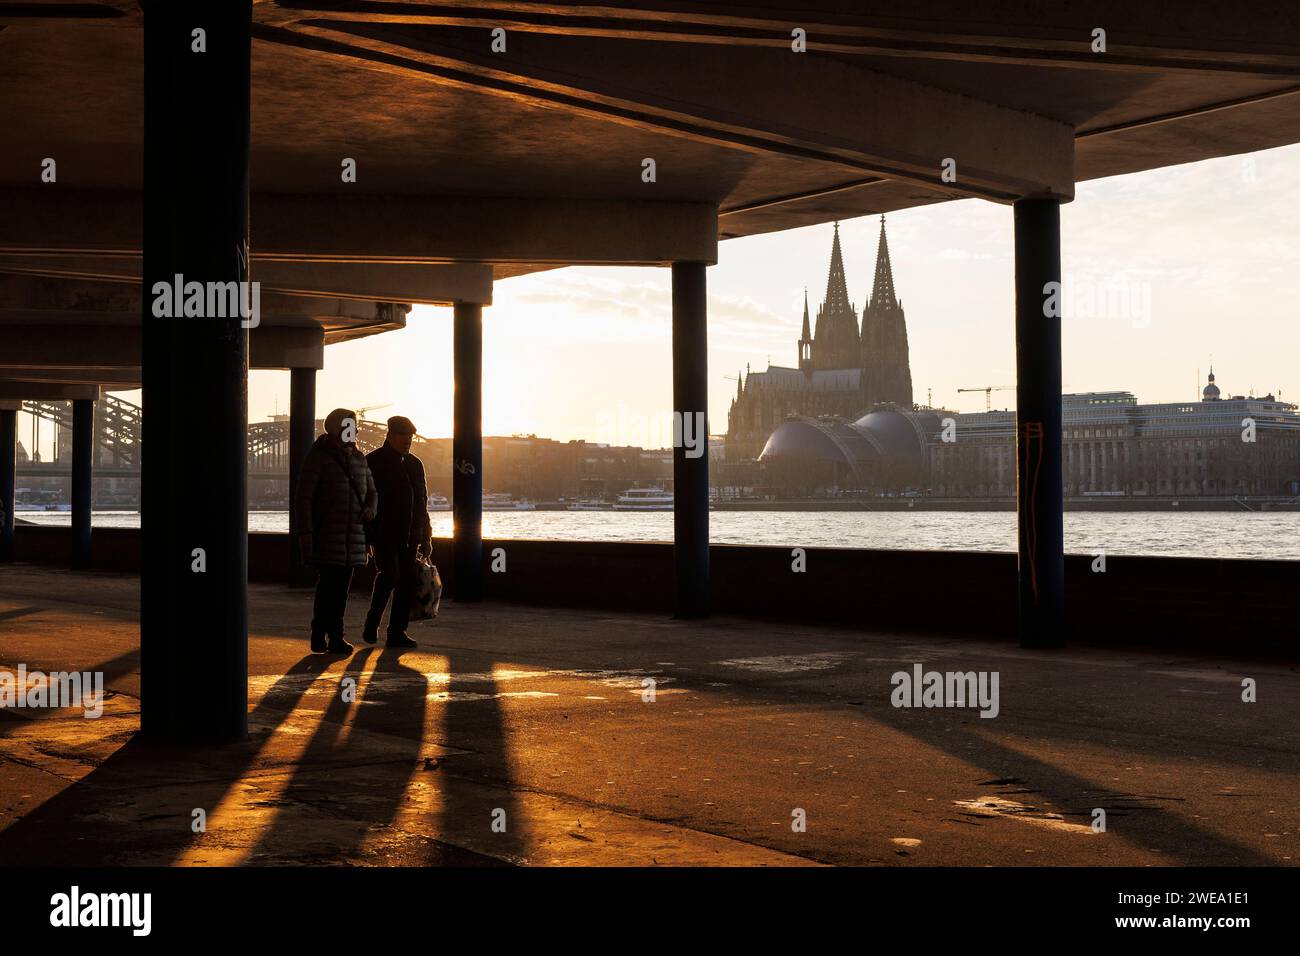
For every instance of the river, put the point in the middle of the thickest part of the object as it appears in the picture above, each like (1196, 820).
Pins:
(1214, 534)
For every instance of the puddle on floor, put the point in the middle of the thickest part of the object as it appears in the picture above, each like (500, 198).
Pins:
(993, 806)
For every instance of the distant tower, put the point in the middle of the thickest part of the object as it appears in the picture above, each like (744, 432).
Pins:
(885, 359)
(805, 340)
(835, 340)
(1211, 391)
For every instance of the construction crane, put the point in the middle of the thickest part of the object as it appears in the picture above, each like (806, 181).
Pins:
(988, 391)
(361, 412)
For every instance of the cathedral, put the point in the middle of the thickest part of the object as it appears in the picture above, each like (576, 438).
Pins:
(846, 368)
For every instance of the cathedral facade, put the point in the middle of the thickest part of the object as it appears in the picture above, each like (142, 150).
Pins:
(846, 367)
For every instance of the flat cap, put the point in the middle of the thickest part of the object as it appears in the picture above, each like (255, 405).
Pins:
(401, 425)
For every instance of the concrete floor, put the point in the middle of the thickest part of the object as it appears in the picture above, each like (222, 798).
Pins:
(535, 718)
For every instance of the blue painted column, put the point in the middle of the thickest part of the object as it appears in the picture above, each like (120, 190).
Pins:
(83, 454)
(8, 479)
(194, 495)
(1040, 502)
(302, 432)
(690, 441)
(467, 453)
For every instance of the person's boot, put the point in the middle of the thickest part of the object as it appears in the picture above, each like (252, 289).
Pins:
(399, 640)
(337, 645)
(370, 633)
(317, 640)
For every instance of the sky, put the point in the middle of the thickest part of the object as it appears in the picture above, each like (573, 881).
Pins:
(1164, 271)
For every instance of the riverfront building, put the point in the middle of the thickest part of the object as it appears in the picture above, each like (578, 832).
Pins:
(1114, 446)
(1237, 445)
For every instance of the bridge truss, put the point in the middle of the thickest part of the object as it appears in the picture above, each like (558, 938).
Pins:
(117, 434)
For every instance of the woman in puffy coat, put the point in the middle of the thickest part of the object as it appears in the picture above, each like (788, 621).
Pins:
(335, 499)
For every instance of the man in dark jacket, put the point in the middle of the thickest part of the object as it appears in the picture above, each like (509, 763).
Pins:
(400, 533)
(334, 500)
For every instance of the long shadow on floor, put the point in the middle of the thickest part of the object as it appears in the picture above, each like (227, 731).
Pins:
(134, 784)
(345, 800)
(363, 792)
(18, 612)
(351, 788)
(476, 790)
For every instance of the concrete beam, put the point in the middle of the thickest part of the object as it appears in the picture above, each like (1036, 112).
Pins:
(70, 11)
(793, 105)
(109, 353)
(423, 284)
(278, 346)
(47, 391)
(111, 380)
(89, 348)
(1158, 35)
(389, 229)
(55, 323)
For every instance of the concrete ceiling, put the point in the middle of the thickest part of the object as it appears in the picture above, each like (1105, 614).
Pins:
(735, 121)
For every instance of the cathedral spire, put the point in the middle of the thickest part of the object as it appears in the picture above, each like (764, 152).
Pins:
(882, 293)
(835, 333)
(805, 340)
(837, 293)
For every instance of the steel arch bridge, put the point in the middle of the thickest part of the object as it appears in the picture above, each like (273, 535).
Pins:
(117, 434)
(117, 427)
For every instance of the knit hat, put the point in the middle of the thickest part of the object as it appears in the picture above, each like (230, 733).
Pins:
(336, 419)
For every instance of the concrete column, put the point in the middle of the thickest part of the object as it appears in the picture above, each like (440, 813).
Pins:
(8, 478)
(690, 441)
(194, 496)
(1040, 503)
(467, 454)
(83, 454)
(302, 432)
